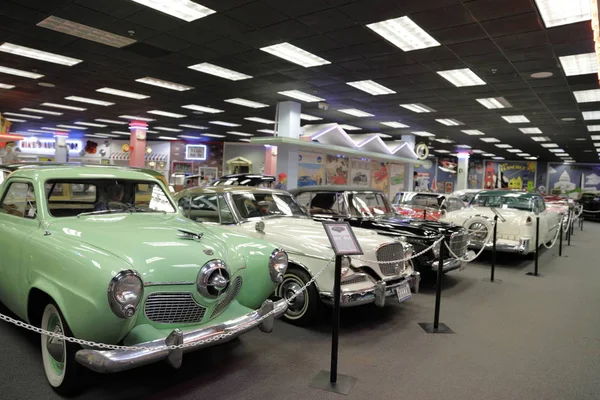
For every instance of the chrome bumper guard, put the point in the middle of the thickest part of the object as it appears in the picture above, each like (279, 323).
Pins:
(522, 247)
(376, 294)
(450, 264)
(109, 361)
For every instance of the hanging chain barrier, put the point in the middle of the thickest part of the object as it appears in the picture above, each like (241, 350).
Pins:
(558, 232)
(415, 255)
(489, 240)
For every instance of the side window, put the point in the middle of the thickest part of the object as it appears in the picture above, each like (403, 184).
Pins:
(304, 199)
(225, 211)
(19, 200)
(454, 204)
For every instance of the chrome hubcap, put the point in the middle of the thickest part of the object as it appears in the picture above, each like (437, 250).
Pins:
(479, 231)
(288, 288)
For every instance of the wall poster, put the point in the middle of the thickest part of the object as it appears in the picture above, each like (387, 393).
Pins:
(310, 169)
(446, 175)
(423, 177)
(360, 172)
(336, 170)
(510, 175)
(397, 172)
(573, 179)
(475, 178)
(380, 176)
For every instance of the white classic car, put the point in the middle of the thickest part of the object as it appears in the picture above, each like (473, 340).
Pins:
(517, 233)
(274, 215)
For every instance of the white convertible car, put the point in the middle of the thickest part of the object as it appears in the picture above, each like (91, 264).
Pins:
(517, 233)
(274, 215)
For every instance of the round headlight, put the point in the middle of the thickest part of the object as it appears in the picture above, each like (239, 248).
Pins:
(278, 263)
(213, 279)
(125, 292)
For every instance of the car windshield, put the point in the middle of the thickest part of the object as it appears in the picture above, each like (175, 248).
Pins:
(515, 201)
(419, 199)
(251, 205)
(68, 198)
(369, 204)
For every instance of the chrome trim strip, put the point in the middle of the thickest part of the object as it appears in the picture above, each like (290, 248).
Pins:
(175, 283)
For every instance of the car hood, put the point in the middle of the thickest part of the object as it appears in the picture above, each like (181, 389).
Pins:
(418, 227)
(149, 243)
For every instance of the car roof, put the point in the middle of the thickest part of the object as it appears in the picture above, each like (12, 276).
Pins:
(426, 193)
(228, 189)
(333, 188)
(507, 192)
(248, 175)
(66, 171)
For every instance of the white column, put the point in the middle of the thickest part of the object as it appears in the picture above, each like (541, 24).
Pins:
(410, 168)
(61, 151)
(462, 173)
(288, 125)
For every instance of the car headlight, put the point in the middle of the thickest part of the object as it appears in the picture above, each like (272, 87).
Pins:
(436, 248)
(125, 292)
(278, 263)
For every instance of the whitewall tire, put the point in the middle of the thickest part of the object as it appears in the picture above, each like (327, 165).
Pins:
(304, 309)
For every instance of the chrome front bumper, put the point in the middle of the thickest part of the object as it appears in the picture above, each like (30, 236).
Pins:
(505, 246)
(376, 294)
(450, 264)
(108, 361)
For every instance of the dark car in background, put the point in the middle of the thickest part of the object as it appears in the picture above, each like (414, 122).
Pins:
(591, 206)
(370, 209)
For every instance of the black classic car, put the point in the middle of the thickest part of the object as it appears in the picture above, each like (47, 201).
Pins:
(370, 209)
(591, 206)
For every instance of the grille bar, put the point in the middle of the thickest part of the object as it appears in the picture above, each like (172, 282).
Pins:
(390, 252)
(459, 243)
(355, 279)
(232, 293)
(173, 308)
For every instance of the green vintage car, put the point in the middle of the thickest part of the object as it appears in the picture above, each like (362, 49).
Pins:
(104, 255)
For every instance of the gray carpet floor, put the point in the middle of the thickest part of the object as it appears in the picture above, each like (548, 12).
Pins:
(525, 338)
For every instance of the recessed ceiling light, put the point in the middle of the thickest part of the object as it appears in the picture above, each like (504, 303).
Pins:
(568, 119)
(271, 131)
(590, 115)
(55, 105)
(85, 32)
(221, 72)
(16, 120)
(193, 126)
(133, 118)
(356, 113)
(215, 135)
(563, 12)
(90, 101)
(260, 120)
(423, 134)
(514, 150)
(489, 140)
(404, 33)
(35, 110)
(515, 119)
(556, 150)
(164, 84)
(162, 128)
(294, 54)
(449, 122)
(186, 10)
(246, 103)
(541, 75)
(444, 140)
(498, 158)
(530, 131)
(549, 145)
(494, 102)
(309, 117)
(166, 114)
(299, 95)
(395, 124)
(23, 115)
(581, 139)
(350, 127)
(167, 138)
(110, 121)
(488, 154)
(461, 77)
(5, 86)
(503, 146)
(473, 132)
(540, 138)
(72, 127)
(239, 133)
(209, 110)
(441, 151)
(371, 87)
(223, 123)
(417, 107)
(122, 93)
(579, 64)
(38, 54)
(91, 124)
(18, 72)
(587, 96)
(524, 154)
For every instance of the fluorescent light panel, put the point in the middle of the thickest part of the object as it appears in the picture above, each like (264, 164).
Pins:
(307, 117)
(356, 113)
(162, 128)
(223, 123)
(423, 134)
(38, 54)
(503, 146)
(246, 103)
(90, 101)
(404, 33)
(5, 86)
(489, 140)
(239, 133)
(167, 138)
(164, 84)
(72, 127)
(549, 145)
(529, 131)
(449, 122)
(417, 107)
(593, 128)
(23, 115)
(91, 124)
(110, 121)
(347, 127)
(35, 110)
(186, 10)
(441, 151)
(55, 105)
(587, 96)
(444, 141)
(221, 72)
(214, 135)
(85, 32)
(515, 119)
(473, 132)
(494, 102)
(395, 124)
(16, 120)
(133, 118)
(579, 64)
(299, 95)
(461, 77)
(591, 115)
(595, 137)
(204, 109)
(260, 120)
(563, 12)
(193, 126)
(188, 137)
(18, 72)
(514, 150)
(371, 87)
(540, 138)
(556, 150)
(122, 93)
(166, 114)
(488, 154)
(294, 54)
(271, 131)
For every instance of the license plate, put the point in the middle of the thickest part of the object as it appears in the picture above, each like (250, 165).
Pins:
(403, 292)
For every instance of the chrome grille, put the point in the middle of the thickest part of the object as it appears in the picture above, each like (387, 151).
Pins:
(231, 294)
(173, 308)
(390, 252)
(355, 279)
(459, 243)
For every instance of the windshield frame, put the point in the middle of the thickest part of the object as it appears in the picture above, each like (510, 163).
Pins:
(437, 196)
(530, 200)
(228, 196)
(355, 213)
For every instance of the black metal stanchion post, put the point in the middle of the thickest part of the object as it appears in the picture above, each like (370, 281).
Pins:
(425, 214)
(569, 229)
(494, 238)
(537, 246)
(335, 331)
(438, 327)
(562, 221)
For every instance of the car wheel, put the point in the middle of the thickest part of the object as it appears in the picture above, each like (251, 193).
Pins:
(304, 309)
(62, 370)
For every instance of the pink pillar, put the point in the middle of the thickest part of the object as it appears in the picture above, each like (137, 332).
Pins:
(271, 160)
(137, 142)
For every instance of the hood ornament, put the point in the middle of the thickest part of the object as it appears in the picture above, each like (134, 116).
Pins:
(189, 235)
(260, 226)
